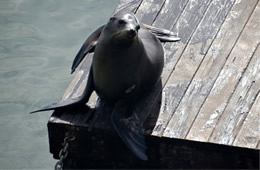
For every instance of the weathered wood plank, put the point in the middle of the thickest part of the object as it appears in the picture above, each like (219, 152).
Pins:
(212, 65)
(191, 16)
(184, 27)
(148, 10)
(226, 82)
(187, 66)
(249, 135)
(228, 123)
(243, 98)
(128, 5)
(170, 13)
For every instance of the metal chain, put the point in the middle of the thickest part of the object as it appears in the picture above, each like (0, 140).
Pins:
(64, 151)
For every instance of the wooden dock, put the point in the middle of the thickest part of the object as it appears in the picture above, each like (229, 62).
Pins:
(207, 112)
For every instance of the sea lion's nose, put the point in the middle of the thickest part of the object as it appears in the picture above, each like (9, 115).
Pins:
(132, 31)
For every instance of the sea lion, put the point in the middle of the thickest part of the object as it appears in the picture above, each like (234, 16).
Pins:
(128, 61)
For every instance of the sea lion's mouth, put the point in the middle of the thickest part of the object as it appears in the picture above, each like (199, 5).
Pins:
(125, 35)
(129, 34)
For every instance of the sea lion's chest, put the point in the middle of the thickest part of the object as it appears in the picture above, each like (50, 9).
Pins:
(115, 69)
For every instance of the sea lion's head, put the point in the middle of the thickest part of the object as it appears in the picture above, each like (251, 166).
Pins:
(123, 27)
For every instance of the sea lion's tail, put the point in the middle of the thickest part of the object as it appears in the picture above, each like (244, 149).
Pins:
(162, 34)
(130, 130)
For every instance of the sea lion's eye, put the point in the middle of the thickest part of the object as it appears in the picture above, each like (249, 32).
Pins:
(121, 22)
(112, 19)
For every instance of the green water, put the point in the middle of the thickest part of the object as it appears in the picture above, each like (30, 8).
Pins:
(38, 41)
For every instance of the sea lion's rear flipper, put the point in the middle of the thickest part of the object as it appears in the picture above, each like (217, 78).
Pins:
(130, 130)
(162, 34)
(73, 102)
(88, 47)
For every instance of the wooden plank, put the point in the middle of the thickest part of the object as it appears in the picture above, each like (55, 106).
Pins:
(238, 107)
(188, 65)
(128, 5)
(191, 16)
(216, 58)
(190, 60)
(170, 13)
(249, 135)
(208, 115)
(242, 100)
(224, 87)
(148, 10)
(184, 27)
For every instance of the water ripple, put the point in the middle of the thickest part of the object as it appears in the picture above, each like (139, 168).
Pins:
(38, 41)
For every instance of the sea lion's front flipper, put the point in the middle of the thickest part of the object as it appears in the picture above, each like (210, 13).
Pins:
(73, 102)
(162, 34)
(88, 47)
(129, 129)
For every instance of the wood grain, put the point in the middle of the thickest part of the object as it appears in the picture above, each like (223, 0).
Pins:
(188, 65)
(241, 101)
(249, 135)
(239, 77)
(183, 72)
(170, 13)
(128, 5)
(213, 63)
(148, 10)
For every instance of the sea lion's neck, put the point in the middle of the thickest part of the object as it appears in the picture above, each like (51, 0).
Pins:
(121, 48)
